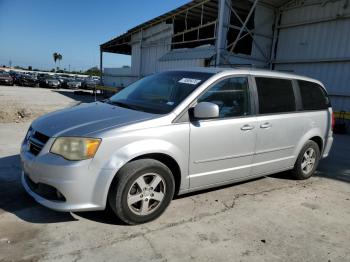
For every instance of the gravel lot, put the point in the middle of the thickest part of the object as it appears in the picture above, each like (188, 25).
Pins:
(270, 219)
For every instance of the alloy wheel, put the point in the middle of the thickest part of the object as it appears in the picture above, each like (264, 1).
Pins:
(146, 194)
(308, 162)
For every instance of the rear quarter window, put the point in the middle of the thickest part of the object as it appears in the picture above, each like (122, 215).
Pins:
(313, 96)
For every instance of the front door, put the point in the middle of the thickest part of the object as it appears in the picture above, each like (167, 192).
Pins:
(221, 149)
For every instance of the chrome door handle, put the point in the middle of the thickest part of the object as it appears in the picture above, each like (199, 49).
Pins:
(265, 125)
(247, 127)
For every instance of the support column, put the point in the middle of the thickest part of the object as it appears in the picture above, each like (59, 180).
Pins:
(221, 29)
(275, 39)
(141, 42)
(101, 65)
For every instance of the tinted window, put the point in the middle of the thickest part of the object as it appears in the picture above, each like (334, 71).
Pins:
(313, 96)
(231, 95)
(159, 93)
(275, 95)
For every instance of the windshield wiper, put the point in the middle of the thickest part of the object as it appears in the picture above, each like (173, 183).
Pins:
(124, 105)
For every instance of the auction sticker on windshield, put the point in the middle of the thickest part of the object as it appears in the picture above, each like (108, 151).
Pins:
(190, 81)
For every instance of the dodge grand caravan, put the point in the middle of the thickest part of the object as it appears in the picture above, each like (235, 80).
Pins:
(172, 133)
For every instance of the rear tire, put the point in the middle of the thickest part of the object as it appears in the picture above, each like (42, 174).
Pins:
(307, 161)
(141, 191)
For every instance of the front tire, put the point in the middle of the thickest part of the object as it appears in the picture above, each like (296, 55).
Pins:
(141, 191)
(307, 161)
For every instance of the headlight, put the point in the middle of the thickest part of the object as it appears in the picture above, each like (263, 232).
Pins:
(75, 148)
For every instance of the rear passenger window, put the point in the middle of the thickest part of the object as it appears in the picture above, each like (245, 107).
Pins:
(275, 95)
(313, 96)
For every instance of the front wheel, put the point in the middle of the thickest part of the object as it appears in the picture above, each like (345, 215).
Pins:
(141, 191)
(307, 161)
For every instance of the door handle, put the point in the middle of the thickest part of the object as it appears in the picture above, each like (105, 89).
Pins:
(247, 127)
(265, 125)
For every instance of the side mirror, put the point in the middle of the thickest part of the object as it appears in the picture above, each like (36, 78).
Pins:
(205, 110)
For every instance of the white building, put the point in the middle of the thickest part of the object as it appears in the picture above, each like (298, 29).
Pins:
(308, 37)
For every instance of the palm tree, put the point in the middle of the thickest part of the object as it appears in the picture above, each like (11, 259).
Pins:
(57, 56)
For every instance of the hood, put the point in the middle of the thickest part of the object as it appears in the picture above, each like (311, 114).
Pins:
(5, 77)
(85, 119)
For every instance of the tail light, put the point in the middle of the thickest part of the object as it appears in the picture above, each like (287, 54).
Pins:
(333, 121)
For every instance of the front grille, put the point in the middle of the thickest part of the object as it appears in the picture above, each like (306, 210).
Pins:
(41, 137)
(36, 142)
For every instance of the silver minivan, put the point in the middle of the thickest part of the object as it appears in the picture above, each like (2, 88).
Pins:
(176, 132)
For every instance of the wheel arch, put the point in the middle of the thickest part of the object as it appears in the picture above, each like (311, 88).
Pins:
(319, 141)
(167, 160)
(313, 135)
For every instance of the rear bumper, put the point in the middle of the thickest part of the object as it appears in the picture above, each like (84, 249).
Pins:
(328, 147)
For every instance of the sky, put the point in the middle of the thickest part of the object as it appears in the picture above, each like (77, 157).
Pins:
(32, 30)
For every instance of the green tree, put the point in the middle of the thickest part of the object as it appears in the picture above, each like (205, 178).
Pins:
(93, 71)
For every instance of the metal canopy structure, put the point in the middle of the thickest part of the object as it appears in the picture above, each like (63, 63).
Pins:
(198, 23)
(308, 37)
(203, 10)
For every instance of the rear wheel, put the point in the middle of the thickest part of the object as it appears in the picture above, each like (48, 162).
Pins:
(142, 190)
(307, 161)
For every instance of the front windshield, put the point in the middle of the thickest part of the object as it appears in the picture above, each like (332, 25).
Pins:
(159, 93)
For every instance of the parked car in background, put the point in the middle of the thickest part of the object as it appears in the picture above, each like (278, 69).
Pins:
(5, 78)
(89, 83)
(53, 83)
(42, 78)
(74, 84)
(176, 132)
(63, 81)
(49, 82)
(27, 80)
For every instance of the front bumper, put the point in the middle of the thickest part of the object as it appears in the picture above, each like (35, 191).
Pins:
(80, 186)
(53, 85)
(74, 86)
(6, 82)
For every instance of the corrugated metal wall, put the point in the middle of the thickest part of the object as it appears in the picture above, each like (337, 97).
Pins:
(155, 43)
(176, 64)
(318, 49)
(117, 77)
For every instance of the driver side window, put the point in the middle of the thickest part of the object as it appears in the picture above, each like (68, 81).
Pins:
(231, 95)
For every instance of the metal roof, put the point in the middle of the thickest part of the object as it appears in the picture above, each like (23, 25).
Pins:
(188, 54)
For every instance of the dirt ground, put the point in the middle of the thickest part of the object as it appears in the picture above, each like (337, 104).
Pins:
(270, 219)
(21, 104)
